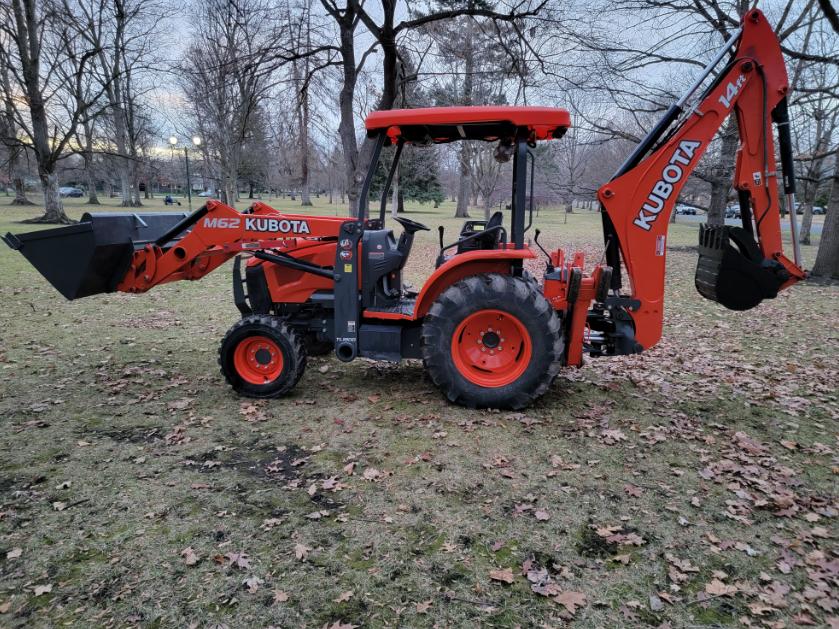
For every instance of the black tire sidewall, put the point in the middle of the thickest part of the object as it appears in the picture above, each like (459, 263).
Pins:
(480, 295)
(278, 334)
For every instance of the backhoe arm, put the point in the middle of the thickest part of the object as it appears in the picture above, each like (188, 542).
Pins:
(638, 202)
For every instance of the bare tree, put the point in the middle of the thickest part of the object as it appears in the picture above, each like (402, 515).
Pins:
(227, 73)
(827, 258)
(39, 37)
(14, 149)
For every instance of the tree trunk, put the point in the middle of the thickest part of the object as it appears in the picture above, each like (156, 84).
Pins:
(303, 122)
(824, 131)
(827, 259)
(394, 199)
(722, 172)
(90, 177)
(806, 224)
(53, 208)
(20, 192)
(346, 125)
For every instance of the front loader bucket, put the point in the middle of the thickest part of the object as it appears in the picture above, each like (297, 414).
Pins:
(732, 270)
(92, 256)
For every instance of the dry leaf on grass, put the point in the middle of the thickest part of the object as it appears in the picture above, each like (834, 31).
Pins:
(571, 600)
(14, 553)
(190, 558)
(280, 596)
(505, 575)
(43, 589)
(301, 551)
(422, 608)
(371, 473)
(253, 583)
(718, 588)
(239, 560)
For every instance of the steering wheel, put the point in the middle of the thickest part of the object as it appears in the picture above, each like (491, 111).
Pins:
(411, 226)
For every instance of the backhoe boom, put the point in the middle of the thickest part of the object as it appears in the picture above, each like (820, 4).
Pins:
(638, 202)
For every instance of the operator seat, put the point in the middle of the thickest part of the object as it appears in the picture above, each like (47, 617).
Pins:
(382, 261)
(477, 235)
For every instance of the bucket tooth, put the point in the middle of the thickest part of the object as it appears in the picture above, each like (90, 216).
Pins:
(732, 271)
(93, 255)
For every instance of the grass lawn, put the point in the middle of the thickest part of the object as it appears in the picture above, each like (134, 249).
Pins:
(693, 485)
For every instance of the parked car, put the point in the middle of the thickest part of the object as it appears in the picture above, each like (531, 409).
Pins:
(70, 191)
(687, 210)
(206, 193)
(817, 209)
(732, 211)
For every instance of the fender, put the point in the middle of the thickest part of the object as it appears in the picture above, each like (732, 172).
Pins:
(465, 265)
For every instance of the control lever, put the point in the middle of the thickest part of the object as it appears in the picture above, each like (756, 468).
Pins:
(440, 257)
(547, 255)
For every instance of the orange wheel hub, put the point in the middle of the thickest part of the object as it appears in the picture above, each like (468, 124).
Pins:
(258, 360)
(491, 348)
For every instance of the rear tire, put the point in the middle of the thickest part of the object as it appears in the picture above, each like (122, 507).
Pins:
(262, 357)
(492, 341)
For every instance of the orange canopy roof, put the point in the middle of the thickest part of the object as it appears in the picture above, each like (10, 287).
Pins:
(446, 124)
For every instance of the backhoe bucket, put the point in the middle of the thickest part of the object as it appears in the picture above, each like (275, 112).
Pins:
(732, 270)
(92, 256)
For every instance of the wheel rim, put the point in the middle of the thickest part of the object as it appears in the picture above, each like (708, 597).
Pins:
(258, 360)
(491, 348)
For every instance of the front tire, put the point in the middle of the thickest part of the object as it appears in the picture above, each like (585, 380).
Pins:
(492, 341)
(262, 357)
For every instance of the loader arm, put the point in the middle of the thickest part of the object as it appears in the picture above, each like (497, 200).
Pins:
(638, 201)
(217, 232)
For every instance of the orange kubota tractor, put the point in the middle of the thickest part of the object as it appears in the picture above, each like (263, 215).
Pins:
(489, 334)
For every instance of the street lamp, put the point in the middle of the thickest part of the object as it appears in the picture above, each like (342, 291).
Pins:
(172, 142)
(196, 140)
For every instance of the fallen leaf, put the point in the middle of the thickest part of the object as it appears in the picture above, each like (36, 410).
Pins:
(190, 558)
(343, 597)
(505, 575)
(371, 473)
(422, 608)
(718, 588)
(571, 600)
(59, 506)
(542, 515)
(14, 553)
(43, 589)
(633, 490)
(301, 551)
(239, 560)
(253, 583)
(280, 596)
(611, 437)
